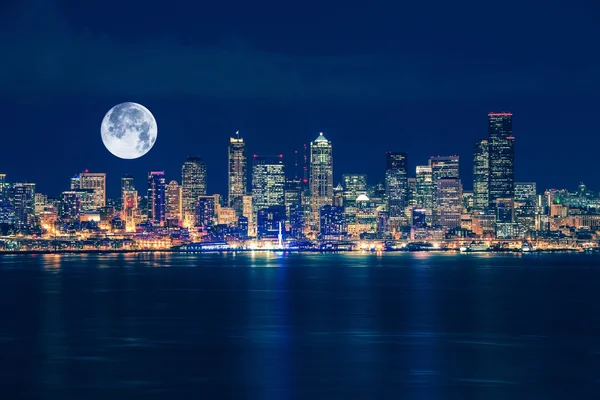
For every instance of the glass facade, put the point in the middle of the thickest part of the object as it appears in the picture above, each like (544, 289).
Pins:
(238, 175)
(156, 197)
(321, 175)
(396, 183)
(268, 182)
(501, 157)
(481, 175)
(449, 199)
(193, 185)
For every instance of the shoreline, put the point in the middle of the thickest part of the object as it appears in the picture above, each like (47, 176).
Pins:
(127, 251)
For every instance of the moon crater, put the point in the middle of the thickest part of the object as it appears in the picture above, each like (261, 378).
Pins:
(129, 130)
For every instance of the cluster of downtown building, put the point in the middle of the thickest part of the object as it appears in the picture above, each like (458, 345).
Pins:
(306, 205)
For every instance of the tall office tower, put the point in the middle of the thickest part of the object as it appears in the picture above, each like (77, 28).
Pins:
(268, 182)
(396, 183)
(173, 208)
(23, 198)
(426, 191)
(292, 194)
(502, 157)
(526, 204)
(237, 184)
(321, 176)
(354, 185)
(156, 197)
(96, 182)
(2, 185)
(441, 168)
(481, 175)
(449, 200)
(193, 185)
(206, 208)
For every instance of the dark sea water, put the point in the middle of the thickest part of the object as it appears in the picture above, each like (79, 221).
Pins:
(300, 326)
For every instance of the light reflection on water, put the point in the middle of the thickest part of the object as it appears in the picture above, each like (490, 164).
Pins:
(414, 326)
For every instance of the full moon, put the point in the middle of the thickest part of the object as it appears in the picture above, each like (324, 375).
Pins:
(129, 130)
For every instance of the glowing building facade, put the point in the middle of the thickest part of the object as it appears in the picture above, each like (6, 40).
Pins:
(237, 183)
(501, 157)
(481, 175)
(95, 182)
(321, 176)
(193, 185)
(449, 199)
(396, 183)
(156, 197)
(268, 182)
(173, 202)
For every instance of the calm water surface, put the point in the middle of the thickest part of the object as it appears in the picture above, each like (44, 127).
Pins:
(300, 326)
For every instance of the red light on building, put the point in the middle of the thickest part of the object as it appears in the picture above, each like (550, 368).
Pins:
(281, 156)
(87, 171)
(501, 114)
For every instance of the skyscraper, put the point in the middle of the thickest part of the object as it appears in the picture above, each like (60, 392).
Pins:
(526, 204)
(96, 182)
(396, 183)
(173, 202)
(193, 185)
(23, 197)
(156, 197)
(502, 157)
(426, 191)
(321, 176)
(449, 200)
(268, 182)
(237, 184)
(481, 175)
(442, 168)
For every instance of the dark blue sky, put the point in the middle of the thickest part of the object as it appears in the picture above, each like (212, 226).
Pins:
(375, 77)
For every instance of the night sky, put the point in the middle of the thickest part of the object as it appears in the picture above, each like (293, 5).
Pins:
(373, 76)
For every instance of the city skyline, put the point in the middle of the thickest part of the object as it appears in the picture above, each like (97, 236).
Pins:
(244, 177)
